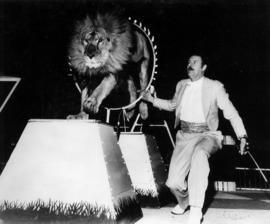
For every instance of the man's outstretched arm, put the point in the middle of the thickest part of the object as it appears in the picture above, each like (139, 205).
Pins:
(168, 105)
(233, 116)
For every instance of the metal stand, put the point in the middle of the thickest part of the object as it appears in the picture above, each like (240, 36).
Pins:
(165, 125)
(9, 79)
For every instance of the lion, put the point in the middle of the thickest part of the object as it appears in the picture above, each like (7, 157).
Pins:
(104, 47)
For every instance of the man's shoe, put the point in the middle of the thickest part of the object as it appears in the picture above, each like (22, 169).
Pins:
(177, 210)
(195, 216)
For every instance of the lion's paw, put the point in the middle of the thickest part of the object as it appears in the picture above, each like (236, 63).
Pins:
(79, 116)
(143, 110)
(91, 105)
(129, 114)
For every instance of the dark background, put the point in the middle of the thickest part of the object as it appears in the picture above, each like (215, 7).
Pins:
(233, 35)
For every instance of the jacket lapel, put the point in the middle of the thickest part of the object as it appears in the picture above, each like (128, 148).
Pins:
(180, 96)
(178, 102)
(181, 92)
(206, 96)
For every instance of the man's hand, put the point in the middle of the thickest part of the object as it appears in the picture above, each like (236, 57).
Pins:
(243, 146)
(147, 96)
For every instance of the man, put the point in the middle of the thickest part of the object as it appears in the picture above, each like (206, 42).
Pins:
(196, 102)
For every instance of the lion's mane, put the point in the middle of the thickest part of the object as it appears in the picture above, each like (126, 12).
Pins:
(117, 31)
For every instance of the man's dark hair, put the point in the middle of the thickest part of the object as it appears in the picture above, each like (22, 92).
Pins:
(203, 56)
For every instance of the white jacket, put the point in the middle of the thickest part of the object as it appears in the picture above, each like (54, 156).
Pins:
(214, 97)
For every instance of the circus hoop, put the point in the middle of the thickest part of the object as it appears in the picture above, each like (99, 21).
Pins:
(150, 39)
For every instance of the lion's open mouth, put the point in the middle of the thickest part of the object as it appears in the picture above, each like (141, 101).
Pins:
(91, 50)
(96, 61)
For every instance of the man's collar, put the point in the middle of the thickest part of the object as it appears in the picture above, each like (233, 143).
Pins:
(197, 82)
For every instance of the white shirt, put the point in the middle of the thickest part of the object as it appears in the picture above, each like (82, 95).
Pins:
(191, 103)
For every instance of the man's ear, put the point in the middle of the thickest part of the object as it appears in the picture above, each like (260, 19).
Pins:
(204, 67)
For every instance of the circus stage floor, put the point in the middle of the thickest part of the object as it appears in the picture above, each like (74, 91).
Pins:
(225, 208)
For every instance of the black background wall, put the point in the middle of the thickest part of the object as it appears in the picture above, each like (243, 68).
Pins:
(233, 35)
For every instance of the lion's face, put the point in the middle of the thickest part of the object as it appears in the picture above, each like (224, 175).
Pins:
(96, 47)
(100, 44)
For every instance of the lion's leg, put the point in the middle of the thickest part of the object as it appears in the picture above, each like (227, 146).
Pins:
(142, 53)
(132, 96)
(143, 83)
(81, 114)
(84, 96)
(93, 102)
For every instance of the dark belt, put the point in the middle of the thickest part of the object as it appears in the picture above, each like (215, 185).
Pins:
(190, 127)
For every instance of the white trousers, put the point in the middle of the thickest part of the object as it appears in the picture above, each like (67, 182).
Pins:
(189, 166)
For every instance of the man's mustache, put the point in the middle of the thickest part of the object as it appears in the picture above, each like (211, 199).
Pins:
(189, 68)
